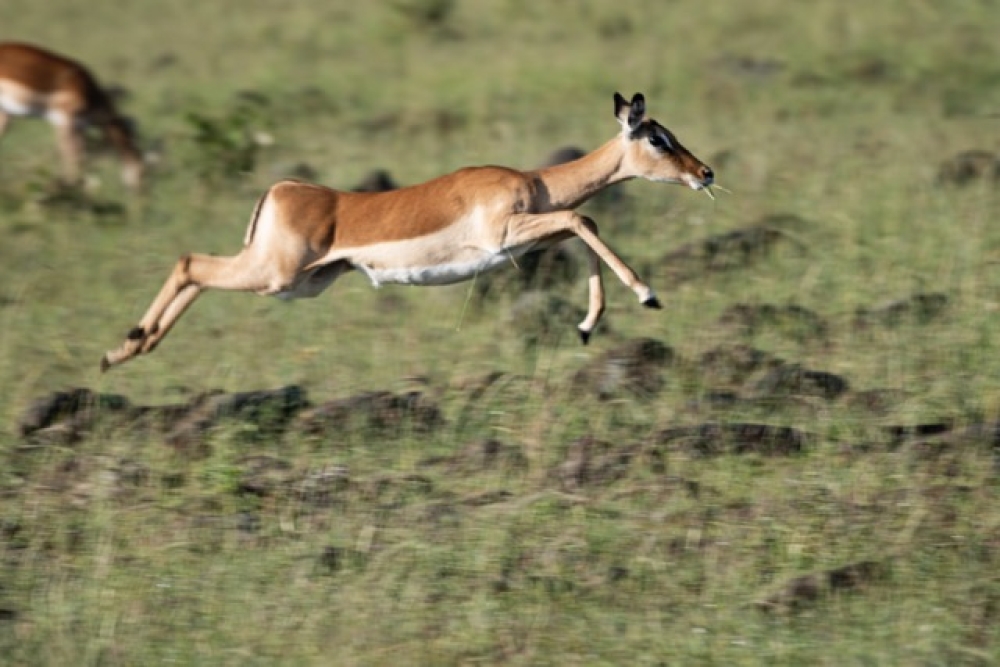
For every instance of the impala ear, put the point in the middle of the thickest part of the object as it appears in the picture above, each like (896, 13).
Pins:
(630, 114)
(621, 105)
(637, 111)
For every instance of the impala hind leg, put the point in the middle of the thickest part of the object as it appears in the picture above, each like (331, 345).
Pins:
(191, 275)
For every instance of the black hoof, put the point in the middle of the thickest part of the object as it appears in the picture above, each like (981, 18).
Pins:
(584, 336)
(652, 302)
(105, 364)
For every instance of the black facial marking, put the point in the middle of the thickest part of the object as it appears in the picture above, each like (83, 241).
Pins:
(619, 103)
(657, 135)
(658, 141)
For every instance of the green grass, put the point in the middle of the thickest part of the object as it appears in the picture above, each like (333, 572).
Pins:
(121, 550)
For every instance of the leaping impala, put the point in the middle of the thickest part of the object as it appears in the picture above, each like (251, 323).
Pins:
(302, 237)
(37, 82)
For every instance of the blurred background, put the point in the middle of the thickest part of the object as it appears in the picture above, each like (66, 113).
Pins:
(512, 496)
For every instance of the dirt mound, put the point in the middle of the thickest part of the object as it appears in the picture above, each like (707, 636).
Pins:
(67, 416)
(717, 439)
(482, 456)
(969, 166)
(794, 321)
(635, 367)
(809, 589)
(539, 317)
(731, 365)
(269, 410)
(736, 249)
(793, 380)
(79, 405)
(381, 410)
(753, 374)
(590, 461)
(933, 439)
(474, 386)
(918, 308)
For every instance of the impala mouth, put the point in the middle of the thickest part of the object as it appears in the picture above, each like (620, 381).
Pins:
(696, 183)
(704, 184)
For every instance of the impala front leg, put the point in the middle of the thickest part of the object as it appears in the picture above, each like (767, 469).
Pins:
(70, 140)
(530, 228)
(595, 307)
(4, 122)
(586, 229)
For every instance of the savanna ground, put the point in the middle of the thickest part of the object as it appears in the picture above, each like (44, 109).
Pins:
(794, 463)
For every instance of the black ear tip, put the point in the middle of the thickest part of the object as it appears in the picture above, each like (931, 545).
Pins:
(638, 98)
(620, 103)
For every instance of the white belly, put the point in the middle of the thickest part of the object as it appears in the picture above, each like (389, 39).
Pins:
(17, 106)
(19, 100)
(440, 274)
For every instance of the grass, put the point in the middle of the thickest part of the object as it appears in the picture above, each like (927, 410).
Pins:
(383, 545)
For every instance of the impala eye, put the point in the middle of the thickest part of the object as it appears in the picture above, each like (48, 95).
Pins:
(659, 142)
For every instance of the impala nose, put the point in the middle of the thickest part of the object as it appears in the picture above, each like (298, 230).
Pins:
(707, 175)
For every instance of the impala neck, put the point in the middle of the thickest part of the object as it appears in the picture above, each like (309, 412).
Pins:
(568, 185)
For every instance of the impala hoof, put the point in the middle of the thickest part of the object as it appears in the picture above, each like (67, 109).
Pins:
(652, 302)
(105, 364)
(584, 335)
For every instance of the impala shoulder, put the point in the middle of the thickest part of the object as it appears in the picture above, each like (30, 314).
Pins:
(492, 186)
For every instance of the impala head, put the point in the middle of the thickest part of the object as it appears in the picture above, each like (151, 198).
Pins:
(120, 131)
(653, 152)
